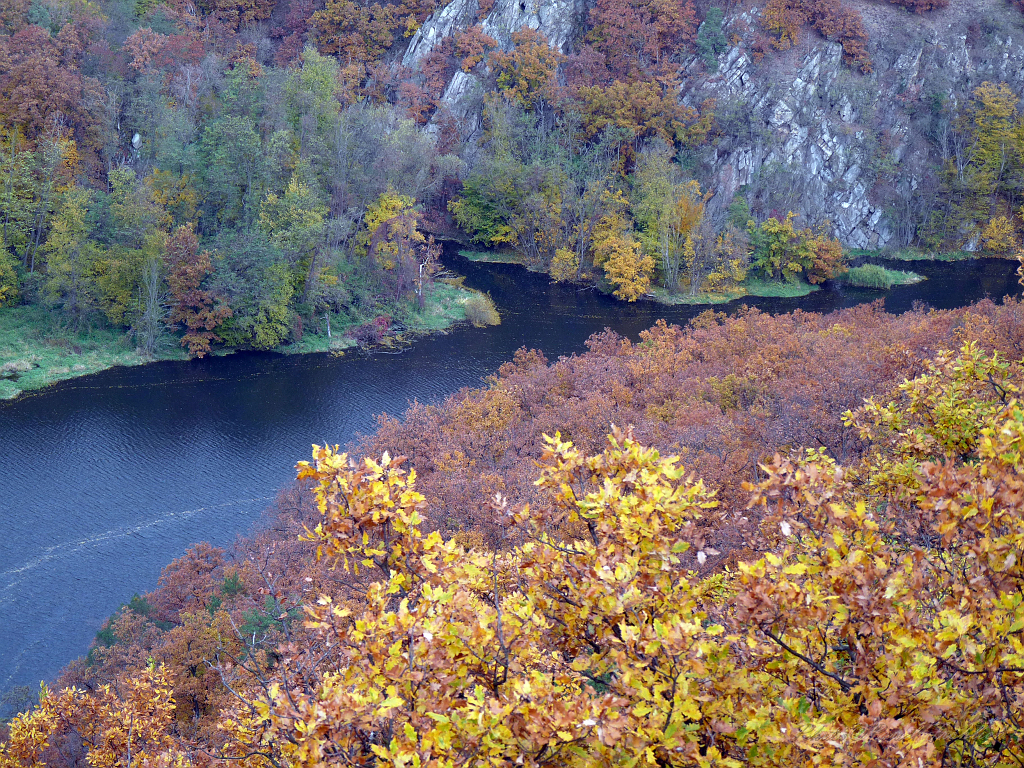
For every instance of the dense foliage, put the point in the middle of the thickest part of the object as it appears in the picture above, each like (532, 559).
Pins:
(273, 129)
(806, 548)
(879, 624)
(614, 607)
(278, 133)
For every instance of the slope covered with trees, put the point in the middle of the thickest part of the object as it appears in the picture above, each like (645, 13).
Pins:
(284, 135)
(305, 159)
(764, 541)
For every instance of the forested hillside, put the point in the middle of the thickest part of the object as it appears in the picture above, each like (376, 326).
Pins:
(243, 174)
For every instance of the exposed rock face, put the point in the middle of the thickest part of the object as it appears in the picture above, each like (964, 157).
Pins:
(800, 130)
(558, 20)
(802, 135)
(454, 17)
(849, 148)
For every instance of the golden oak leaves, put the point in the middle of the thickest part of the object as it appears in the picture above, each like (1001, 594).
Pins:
(893, 611)
(883, 628)
(131, 723)
(559, 651)
(937, 416)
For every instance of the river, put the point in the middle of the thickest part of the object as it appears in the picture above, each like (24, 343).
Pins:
(106, 478)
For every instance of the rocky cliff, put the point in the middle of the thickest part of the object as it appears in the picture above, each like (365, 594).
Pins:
(800, 130)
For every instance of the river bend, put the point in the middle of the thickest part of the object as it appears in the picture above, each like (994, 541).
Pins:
(105, 479)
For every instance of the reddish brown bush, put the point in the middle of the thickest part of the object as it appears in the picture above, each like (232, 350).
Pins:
(782, 19)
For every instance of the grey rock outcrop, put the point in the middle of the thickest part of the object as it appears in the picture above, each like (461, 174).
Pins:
(558, 20)
(804, 131)
(454, 17)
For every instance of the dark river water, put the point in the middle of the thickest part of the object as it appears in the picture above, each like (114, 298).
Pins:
(105, 479)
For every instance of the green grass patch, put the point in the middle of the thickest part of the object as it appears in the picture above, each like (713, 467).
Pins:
(749, 287)
(879, 278)
(317, 342)
(662, 296)
(480, 310)
(778, 289)
(492, 257)
(37, 350)
(918, 254)
(447, 303)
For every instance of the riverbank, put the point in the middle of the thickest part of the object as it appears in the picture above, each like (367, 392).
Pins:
(110, 477)
(36, 350)
(491, 257)
(915, 254)
(766, 289)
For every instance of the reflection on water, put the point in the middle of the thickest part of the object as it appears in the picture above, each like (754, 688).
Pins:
(105, 479)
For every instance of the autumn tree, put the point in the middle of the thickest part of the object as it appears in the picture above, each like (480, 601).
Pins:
(527, 74)
(834, 20)
(619, 253)
(874, 595)
(780, 250)
(43, 82)
(353, 32)
(872, 607)
(641, 38)
(981, 171)
(197, 310)
(668, 211)
(117, 725)
(473, 46)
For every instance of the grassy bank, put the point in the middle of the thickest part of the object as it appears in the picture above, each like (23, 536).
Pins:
(36, 350)
(913, 254)
(749, 287)
(880, 278)
(662, 296)
(778, 289)
(491, 257)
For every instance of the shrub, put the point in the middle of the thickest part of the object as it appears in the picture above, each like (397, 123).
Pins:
(480, 310)
(874, 276)
(710, 39)
(9, 293)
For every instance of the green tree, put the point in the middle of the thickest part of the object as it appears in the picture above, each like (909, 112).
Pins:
(296, 223)
(134, 211)
(9, 282)
(17, 191)
(254, 276)
(668, 211)
(71, 257)
(780, 251)
(232, 170)
(710, 39)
